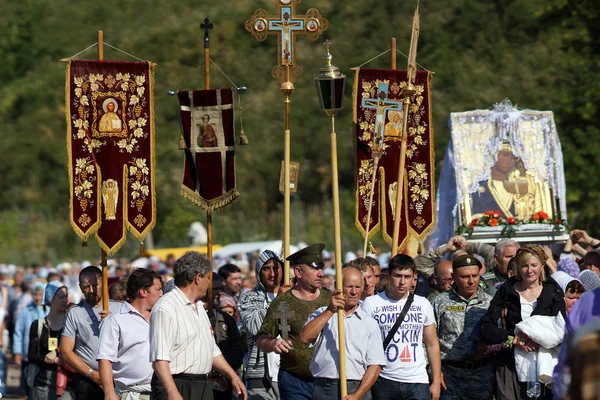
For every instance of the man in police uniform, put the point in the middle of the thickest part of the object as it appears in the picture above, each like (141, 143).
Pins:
(457, 312)
(285, 318)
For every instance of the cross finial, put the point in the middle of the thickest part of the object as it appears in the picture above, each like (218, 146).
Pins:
(206, 25)
(327, 43)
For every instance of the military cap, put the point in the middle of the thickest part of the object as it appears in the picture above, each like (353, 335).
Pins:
(465, 260)
(310, 256)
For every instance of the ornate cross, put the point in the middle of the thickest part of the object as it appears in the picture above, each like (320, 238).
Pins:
(283, 314)
(382, 105)
(286, 25)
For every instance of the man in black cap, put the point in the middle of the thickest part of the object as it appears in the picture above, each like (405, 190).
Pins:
(457, 312)
(287, 314)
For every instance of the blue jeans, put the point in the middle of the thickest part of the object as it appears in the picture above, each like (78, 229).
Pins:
(293, 388)
(385, 389)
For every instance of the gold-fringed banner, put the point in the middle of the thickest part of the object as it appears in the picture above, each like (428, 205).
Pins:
(209, 134)
(377, 112)
(110, 145)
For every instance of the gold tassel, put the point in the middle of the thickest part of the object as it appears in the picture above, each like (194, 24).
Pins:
(371, 248)
(243, 137)
(84, 243)
(182, 145)
(419, 249)
(142, 249)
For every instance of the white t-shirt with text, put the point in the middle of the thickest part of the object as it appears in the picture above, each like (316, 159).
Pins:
(405, 353)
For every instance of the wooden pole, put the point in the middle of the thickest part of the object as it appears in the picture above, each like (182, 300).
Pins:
(393, 53)
(103, 253)
(338, 255)
(408, 91)
(400, 184)
(287, 88)
(373, 176)
(209, 227)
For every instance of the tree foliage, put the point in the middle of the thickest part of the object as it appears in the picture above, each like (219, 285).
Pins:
(540, 54)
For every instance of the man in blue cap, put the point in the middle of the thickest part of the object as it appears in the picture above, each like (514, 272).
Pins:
(287, 314)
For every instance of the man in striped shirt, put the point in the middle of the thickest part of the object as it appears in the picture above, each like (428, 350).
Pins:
(182, 346)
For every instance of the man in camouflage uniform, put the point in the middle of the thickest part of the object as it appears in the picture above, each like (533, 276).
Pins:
(457, 312)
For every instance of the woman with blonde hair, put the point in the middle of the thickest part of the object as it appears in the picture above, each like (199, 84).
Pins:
(528, 293)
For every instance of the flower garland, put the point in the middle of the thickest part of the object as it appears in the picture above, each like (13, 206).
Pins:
(495, 218)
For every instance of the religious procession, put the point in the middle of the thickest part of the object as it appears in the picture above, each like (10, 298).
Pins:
(483, 284)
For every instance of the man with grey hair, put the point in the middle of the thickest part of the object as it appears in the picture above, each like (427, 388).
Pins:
(497, 273)
(182, 347)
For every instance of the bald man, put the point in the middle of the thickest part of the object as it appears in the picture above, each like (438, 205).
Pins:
(363, 343)
(442, 277)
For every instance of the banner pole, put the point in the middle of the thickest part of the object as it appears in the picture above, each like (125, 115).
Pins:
(287, 88)
(206, 25)
(408, 91)
(103, 261)
(339, 285)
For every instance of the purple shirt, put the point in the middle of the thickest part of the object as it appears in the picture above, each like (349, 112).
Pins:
(585, 309)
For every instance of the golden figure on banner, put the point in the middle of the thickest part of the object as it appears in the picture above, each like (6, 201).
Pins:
(110, 121)
(110, 197)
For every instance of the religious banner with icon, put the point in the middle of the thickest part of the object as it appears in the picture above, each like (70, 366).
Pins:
(110, 144)
(208, 131)
(377, 114)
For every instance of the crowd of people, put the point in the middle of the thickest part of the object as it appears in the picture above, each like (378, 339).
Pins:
(466, 320)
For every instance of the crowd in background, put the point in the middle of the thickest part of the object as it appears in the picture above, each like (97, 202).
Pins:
(28, 293)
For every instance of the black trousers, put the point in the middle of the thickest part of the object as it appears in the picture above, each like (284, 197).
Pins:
(190, 388)
(86, 389)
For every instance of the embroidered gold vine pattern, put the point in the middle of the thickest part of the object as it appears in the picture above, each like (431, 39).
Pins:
(85, 174)
(138, 172)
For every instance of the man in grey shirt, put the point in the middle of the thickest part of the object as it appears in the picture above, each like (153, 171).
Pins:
(79, 341)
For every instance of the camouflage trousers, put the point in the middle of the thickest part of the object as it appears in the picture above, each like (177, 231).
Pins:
(468, 384)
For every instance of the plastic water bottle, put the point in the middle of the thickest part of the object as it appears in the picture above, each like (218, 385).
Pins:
(534, 387)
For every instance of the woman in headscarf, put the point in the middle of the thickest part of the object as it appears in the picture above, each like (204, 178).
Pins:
(571, 287)
(43, 342)
(527, 294)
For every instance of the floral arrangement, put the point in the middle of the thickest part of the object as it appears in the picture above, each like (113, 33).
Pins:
(495, 218)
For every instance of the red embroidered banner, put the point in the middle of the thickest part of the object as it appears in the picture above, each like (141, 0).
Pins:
(208, 130)
(110, 145)
(377, 112)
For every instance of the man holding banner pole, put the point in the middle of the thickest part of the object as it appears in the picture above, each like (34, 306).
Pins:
(364, 348)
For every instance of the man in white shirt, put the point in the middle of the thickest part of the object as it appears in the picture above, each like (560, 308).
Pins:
(364, 348)
(405, 376)
(182, 346)
(123, 350)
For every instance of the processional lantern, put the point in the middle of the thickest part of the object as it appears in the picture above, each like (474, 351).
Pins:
(330, 85)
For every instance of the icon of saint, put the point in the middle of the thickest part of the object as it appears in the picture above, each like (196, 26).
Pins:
(510, 188)
(110, 197)
(394, 127)
(110, 121)
(207, 136)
